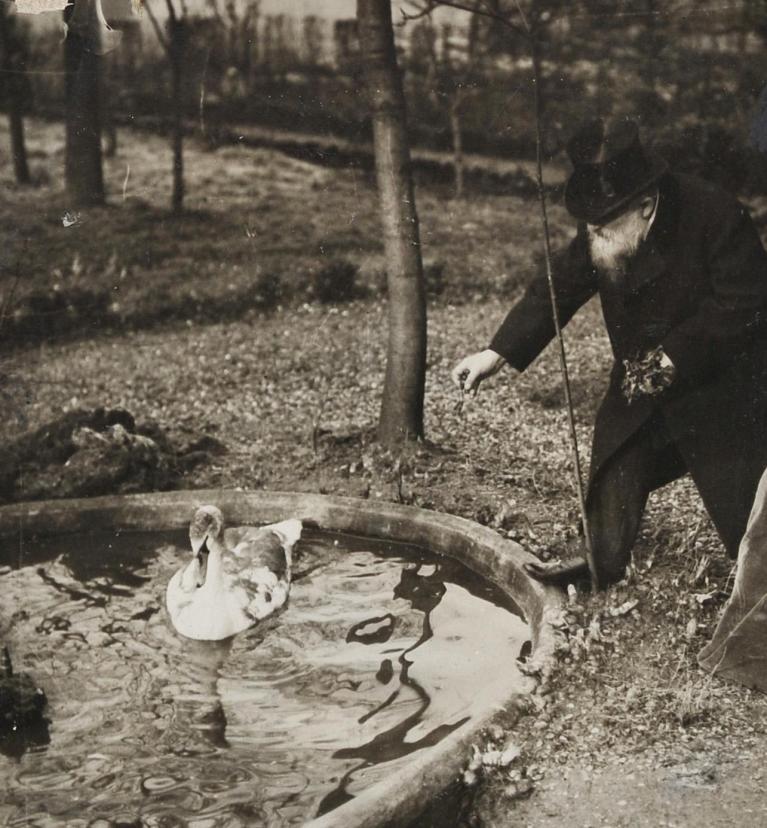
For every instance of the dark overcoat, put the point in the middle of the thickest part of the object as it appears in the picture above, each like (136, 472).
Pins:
(698, 288)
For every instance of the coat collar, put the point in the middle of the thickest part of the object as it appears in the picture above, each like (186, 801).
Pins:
(651, 260)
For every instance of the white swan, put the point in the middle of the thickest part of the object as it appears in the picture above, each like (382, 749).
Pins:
(237, 576)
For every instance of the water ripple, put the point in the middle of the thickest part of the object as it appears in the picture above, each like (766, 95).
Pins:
(377, 655)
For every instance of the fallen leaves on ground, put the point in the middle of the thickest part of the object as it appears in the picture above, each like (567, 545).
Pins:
(295, 396)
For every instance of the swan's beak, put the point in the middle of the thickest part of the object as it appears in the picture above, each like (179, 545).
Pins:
(201, 553)
(198, 544)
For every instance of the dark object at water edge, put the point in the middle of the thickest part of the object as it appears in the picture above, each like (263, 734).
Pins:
(22, 703)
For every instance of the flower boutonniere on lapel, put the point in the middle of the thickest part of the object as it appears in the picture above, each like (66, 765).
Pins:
(647, 375)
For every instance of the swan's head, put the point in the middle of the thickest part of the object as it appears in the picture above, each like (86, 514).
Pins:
(208, 522)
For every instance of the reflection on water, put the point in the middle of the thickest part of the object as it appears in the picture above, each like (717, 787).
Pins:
(381, 651)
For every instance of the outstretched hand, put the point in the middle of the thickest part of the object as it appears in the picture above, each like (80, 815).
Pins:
(471, 370)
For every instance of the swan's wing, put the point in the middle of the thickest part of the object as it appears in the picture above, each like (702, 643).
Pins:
(180, 592)
(234, 534)
(189, 577)
(289, 530)
(256, 550)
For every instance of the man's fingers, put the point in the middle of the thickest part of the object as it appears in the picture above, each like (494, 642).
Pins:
(471, 370)
(459, 373)
(471, 383)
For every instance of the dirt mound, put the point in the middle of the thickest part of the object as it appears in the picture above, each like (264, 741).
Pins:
(84, 453)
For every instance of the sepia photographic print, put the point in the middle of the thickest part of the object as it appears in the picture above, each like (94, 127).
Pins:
(383, 389)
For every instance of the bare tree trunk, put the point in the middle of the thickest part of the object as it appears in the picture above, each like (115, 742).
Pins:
(401, 415)
(651, 48)
(110, 85)
(110, 137)
(82, 166)
(705, 89)
(249, 44)
(267, 47)
(457, 134)
(279, 59)
(176, 37)
(12, 66)
(18, 147)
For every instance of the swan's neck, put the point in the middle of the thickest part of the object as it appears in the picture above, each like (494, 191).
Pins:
(215, 562)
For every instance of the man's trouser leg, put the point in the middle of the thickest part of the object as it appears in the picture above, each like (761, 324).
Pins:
(618, 494)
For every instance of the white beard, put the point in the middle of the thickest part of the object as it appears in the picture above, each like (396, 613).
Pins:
(613, 247)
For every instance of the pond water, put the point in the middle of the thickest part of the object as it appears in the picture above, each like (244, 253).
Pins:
(381, 651)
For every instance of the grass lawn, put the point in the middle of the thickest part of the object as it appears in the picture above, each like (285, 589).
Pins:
(294, 395)
(249, 213)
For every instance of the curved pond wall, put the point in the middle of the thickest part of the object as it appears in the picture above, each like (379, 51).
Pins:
(405, 793)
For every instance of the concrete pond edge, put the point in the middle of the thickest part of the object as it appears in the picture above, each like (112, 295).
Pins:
(399, 798)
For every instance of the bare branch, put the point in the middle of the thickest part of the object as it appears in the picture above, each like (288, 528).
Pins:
(681, 11)
(476, 8)
(231, 12)
(156, 26)
(420, 12)
(525, 23)
(171, 10)
(213, 6)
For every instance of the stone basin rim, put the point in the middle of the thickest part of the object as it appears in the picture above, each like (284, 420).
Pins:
(400, 797)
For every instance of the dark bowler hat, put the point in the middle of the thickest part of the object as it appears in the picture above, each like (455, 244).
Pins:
(611, 167)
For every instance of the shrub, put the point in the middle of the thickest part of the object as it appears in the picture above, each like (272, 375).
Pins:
(335, 282)
(47, 313)
(434, 278)
(267, 290)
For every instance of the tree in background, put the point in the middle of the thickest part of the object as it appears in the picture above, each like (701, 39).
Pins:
(88, 39)
(15, 89)
(346, 47)
(451, 68)
(504, 38)
(313, 41)
(174, 40)
(278, 45)
(248, 40)
(401, 417)
(239, 28)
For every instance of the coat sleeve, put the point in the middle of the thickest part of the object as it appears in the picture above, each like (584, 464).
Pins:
(733, 310)
(529, 325)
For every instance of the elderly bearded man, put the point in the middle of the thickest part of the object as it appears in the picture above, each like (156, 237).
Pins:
(682, 278)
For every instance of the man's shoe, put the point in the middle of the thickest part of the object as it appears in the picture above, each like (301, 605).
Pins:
(570, 571)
